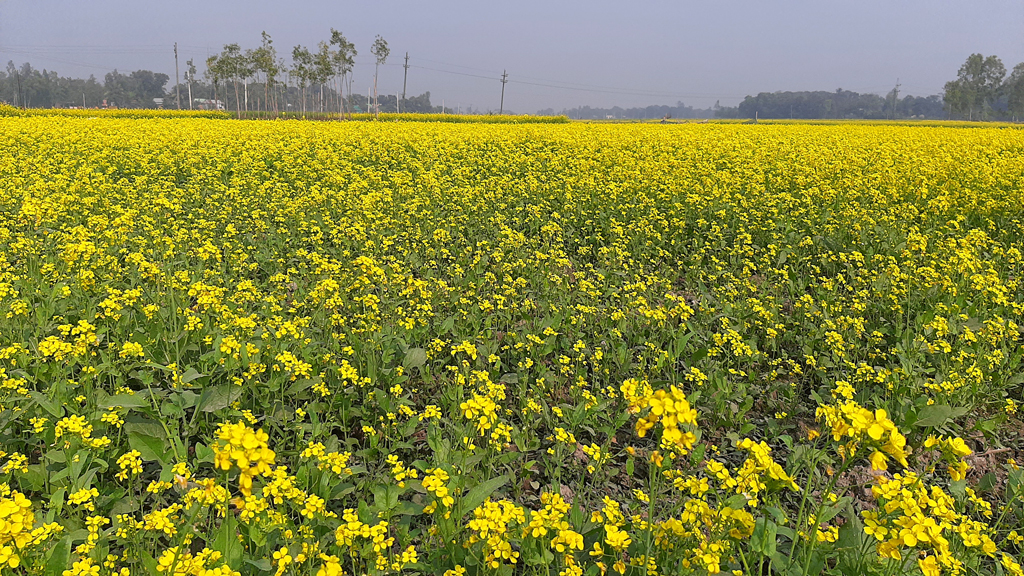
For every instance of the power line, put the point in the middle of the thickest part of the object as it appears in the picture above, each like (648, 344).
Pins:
(578, 86)
(456, 73)
(55, 53)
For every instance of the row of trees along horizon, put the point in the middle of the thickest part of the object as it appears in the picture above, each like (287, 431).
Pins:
(258, 80)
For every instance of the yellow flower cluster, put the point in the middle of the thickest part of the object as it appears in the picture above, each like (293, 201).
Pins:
(175, 562)
(914, 517)
(17, 531)
(435, 482)
(492, 523)
(672, 409)
(859, 426)
(245, 448)
(336, 462)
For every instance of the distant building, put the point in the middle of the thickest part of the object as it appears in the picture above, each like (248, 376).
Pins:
(204, 104)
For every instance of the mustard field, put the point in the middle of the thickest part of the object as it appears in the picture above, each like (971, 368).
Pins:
(297, 348)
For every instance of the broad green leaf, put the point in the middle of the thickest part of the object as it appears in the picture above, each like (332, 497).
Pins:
(481, 492)
(44, 402)
(216, 398)
(934, 415)
(151, 448)
(414, 358)
(227, 542)
(124, 401)
(190, 375)
(60, 558)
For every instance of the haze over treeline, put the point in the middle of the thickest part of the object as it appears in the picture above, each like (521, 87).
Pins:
(983, 90)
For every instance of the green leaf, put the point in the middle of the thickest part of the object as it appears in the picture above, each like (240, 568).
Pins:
(408, 509)
(227, 542)
(149, 562)
(776, 513)
(987, 482)
(124, 401)
(135, 424)
(44, 402)
(215, 398)
(481, 492)
(151, 448)
(204, 453)
(447, 325)
(757, 538)
(263, 564)
(190, 375)
(736, 501)
(56, 503)
(934, 415)
(385, 497)
(60, 558)
(770, 538)
(829, 512)
(414, 358)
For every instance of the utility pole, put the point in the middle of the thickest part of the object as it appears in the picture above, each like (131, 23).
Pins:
(405, 78)
(83, 99)
(177, 83)
(895, 98)
(504, 80)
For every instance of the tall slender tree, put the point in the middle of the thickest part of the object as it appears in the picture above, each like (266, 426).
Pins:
(230, 68)
(302, 70)
(343, 58)
(212, 74)
(264, 59)
(381, 51)
(190, 74)
(1015, 92)
(246, 70)
(323, 68)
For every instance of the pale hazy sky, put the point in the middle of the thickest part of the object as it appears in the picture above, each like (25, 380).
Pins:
(598, 53)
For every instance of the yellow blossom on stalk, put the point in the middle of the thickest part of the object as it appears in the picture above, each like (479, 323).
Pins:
(671, 409)
(616, 538)
(84, 498)
(131, 350)
(435, 482)
(16, 520)
(130, 463)
(860, 426)
(245, 448)
(482, 410)
(491, 524)
(336, 462)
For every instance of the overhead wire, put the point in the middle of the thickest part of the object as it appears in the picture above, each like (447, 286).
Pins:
(54, 53)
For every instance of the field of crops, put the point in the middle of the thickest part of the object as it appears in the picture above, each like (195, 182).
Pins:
(377, 348)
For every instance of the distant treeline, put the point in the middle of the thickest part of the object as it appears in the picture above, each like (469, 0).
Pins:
(982, 91)
(680, 110)
(256, 81)
(841, 104)
(29, 87)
